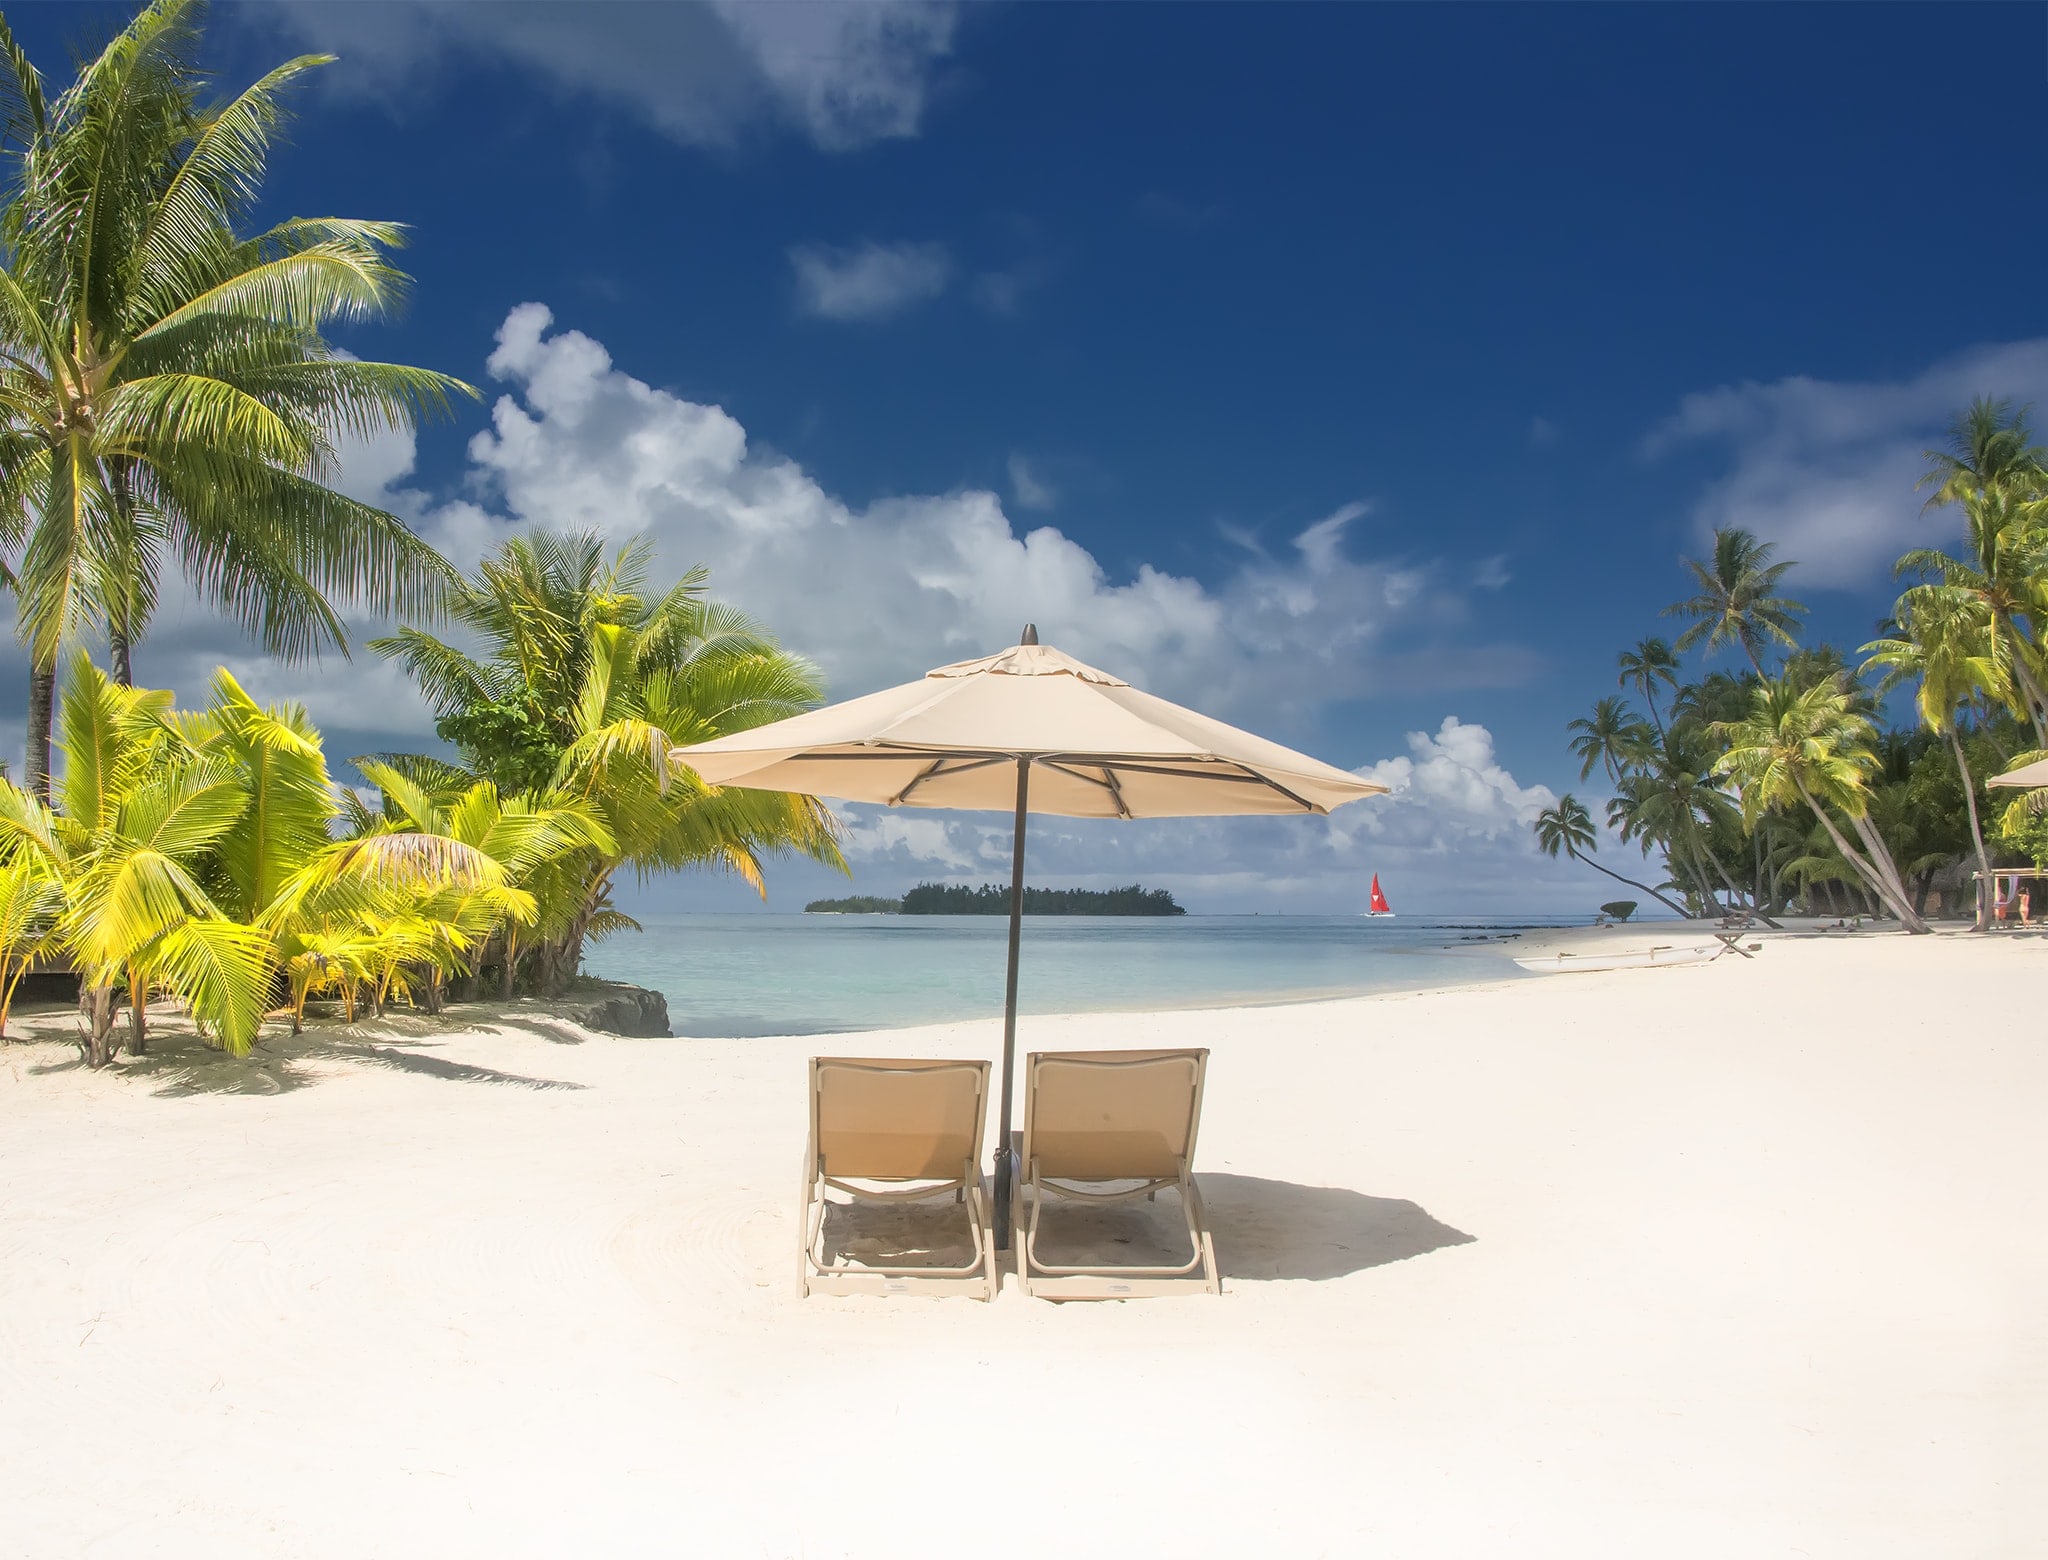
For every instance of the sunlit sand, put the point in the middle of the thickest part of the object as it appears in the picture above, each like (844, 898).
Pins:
(1740, 1259)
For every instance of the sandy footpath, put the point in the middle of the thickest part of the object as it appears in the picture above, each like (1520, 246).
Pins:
(1748, 1259)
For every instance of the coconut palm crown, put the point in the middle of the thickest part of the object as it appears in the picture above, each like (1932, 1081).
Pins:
(1737, 602)
(167, 391)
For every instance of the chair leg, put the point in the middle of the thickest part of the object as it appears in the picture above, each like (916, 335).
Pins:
(984, 1240)
(1198, 1232)
(1020, 1234)
(803, 1242)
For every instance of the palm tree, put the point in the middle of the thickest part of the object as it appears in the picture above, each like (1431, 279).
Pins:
(586, 679)
(1737, 601)
(142, 816)
(1670, 799)
(1994, 474)
(1651, 662)
(1568, 828)
(515, 839)
(165, 387)
(1812, 746)
(1941, 640)
(31, 904)
(1613, 736)
(1988, 444)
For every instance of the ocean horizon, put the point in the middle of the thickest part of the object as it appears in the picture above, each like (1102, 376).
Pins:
(746, 975)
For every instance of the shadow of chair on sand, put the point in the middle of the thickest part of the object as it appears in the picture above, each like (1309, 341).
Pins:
(1264, 1230)
(1281, 1229)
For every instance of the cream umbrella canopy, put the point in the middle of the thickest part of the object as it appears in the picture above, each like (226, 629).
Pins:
(2025, 778)
(1032, 730)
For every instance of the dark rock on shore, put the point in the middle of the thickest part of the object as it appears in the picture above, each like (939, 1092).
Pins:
(618, 1009)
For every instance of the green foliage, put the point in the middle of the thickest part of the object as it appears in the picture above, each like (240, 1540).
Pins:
(192, 854)
(585, 678)
(166, 386)
(1618, 909)
(994, 899)
(1772, 787)
(2027, 833)
(1737, 601)
(855, 904)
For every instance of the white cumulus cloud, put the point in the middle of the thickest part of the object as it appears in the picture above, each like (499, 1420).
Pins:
(868, 281)
(844, 74)
(1030, 490)
(881, 593)
(1826, 468)
(1453, 834)
(878, 594)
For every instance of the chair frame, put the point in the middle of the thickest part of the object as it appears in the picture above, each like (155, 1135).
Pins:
(816, 1275)
(1113, 1281)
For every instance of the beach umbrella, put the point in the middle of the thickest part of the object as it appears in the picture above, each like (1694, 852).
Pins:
(2027, 775)
(1026, 730)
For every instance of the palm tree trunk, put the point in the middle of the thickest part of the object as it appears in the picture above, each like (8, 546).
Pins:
(121, 626)
(1734, 893)
(42, 703)
(138, 1015)
(1888, 874)
(1632, 883)
(1983, 913)
(99, 1038)
(1881, 883)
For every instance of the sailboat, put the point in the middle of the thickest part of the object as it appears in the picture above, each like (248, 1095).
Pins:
(1379, 900)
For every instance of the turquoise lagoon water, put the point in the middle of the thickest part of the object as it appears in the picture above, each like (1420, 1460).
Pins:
(742, 975)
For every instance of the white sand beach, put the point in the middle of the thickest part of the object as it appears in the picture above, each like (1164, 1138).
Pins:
(1741, 1259)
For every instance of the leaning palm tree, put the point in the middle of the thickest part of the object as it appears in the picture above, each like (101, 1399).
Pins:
(1811, 745)
(1737, 601)
(167, 394)
(1671, 799)
(1941, 643)
(1567, 828)
(1650, 663)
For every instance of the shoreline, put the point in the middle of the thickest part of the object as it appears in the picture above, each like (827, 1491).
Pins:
(1709, 1260)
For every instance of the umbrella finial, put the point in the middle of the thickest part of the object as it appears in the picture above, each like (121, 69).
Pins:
(1030, 634)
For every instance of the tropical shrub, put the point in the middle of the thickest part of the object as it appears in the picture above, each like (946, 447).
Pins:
(586, 676)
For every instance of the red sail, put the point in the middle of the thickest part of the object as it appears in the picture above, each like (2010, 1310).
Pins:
(1379, 900)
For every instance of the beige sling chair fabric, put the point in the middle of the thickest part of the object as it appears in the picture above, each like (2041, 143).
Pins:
(1092, 1121)
(894, 1131)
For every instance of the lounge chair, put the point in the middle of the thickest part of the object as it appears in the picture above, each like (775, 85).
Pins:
(1093, 1121)
(892, 1131)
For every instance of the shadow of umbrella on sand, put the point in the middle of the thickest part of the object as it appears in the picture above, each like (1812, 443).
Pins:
(1029, 730)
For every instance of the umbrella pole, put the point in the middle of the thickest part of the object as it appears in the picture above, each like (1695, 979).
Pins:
(1006, 1166)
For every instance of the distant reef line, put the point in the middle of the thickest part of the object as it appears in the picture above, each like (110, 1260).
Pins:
(994, 899)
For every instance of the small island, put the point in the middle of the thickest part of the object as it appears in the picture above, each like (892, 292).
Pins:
(858, 904)
(994, 899)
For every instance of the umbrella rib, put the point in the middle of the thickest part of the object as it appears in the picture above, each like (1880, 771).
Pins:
(1109, 778)
(937, 769)
(1107, 781)
(1235, 776)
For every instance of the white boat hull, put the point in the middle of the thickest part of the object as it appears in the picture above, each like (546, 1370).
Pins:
(1632, 959)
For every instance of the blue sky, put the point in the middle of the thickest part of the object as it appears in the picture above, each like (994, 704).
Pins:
(1358, 367)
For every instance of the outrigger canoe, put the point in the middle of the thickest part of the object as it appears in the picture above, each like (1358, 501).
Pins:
(1632, 959)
